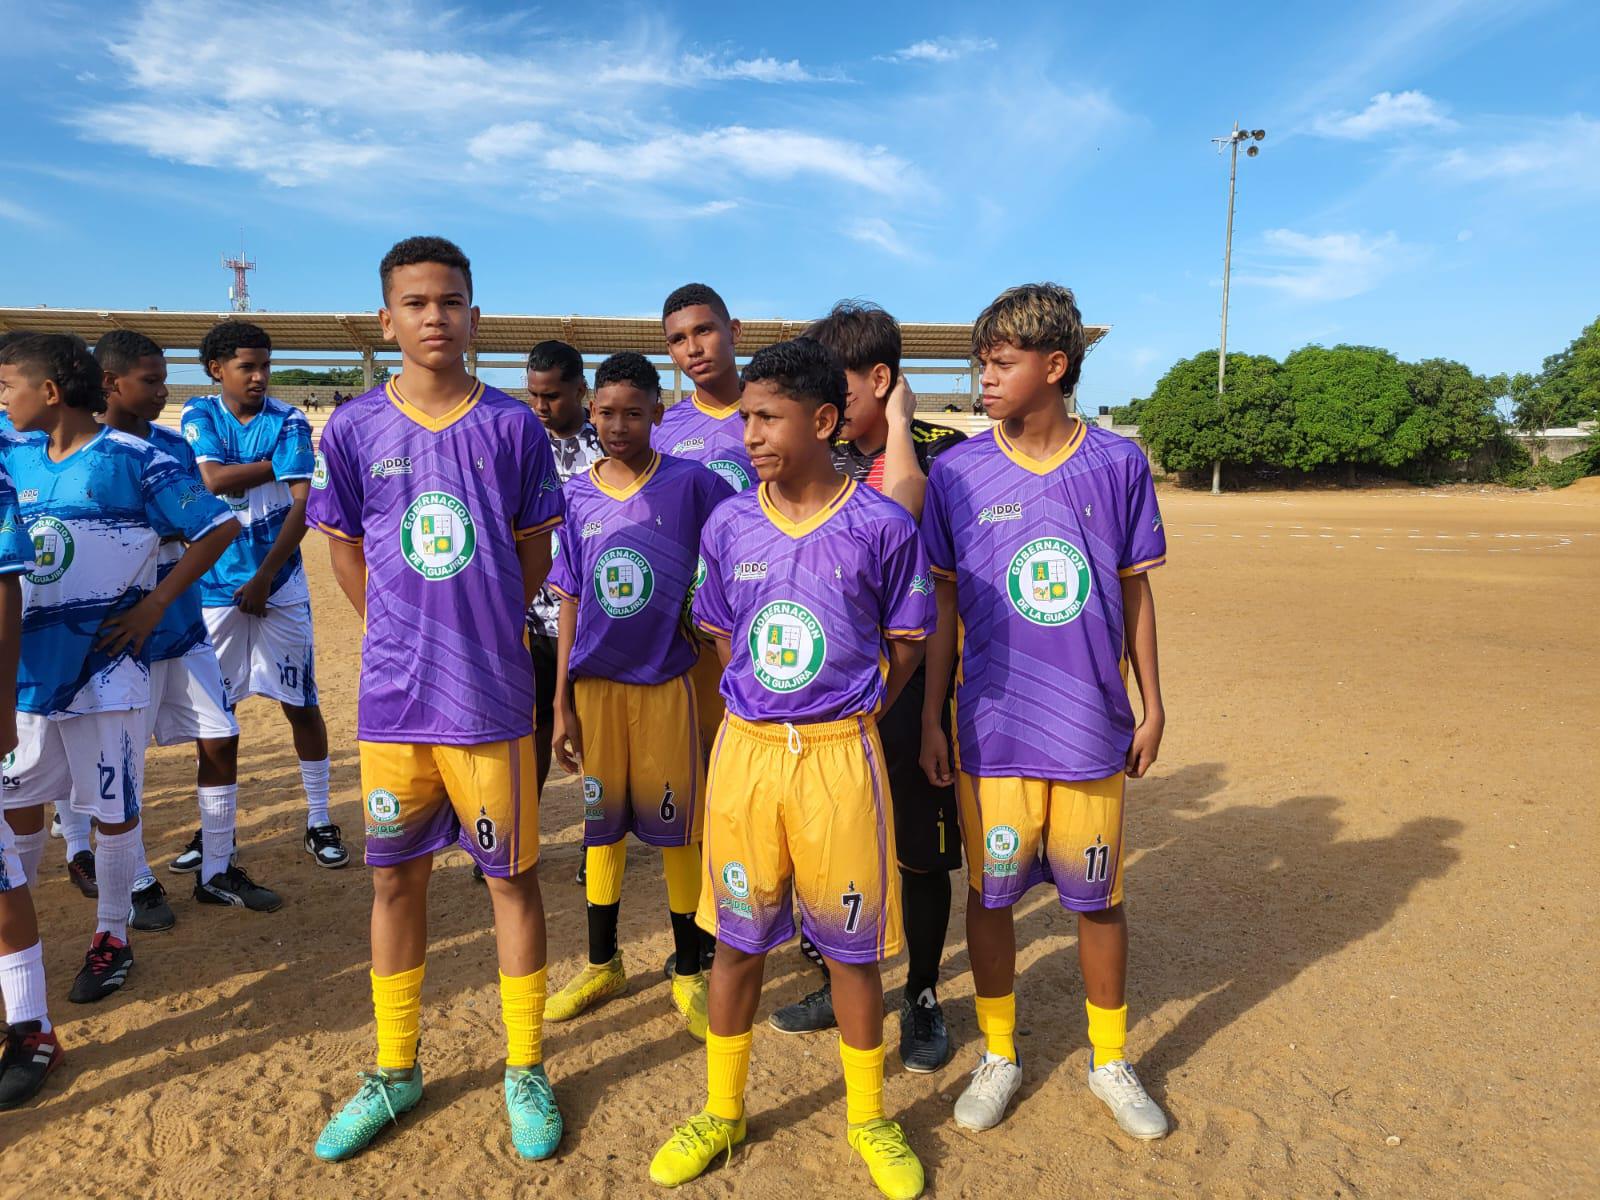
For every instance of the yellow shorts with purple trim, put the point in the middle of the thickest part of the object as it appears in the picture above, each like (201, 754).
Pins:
(800, 811)
(420, 798)
(1022, 832)
(642, 767)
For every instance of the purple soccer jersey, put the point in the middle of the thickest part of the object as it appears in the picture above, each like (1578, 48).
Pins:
(1037, 550)
(438, 507)
(627, 558)
(693, 430)
(808, 605)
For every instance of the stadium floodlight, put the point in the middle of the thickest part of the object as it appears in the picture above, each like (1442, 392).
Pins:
(1232, 141)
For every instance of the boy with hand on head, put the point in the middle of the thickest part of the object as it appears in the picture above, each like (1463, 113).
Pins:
(188, 702)
(438, 496)
(882, 444)
(255, 452)
(30, 1049)
(97, 503)
(811, 584)
(1040, 535)
(625, 704)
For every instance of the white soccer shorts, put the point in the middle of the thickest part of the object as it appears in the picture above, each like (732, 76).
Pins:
(97, 759)
(188, 701)
(271, 656)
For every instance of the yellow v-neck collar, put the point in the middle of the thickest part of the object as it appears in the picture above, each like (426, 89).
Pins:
(716, 414)
(799, 529)
(434, 424)
(1041, 466)
(626, 493)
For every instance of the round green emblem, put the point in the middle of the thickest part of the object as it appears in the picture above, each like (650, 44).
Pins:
(53, 549)
(738, 478)
(787, 647)
(1049, 581)
(623, 581)
(437, 535)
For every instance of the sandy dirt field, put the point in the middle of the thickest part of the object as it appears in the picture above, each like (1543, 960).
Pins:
(1362, 887)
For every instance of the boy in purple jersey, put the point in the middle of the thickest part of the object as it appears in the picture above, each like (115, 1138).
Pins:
(701, 338)
(438, 496)
(1040, 535)
(817, 594)
(625, 702)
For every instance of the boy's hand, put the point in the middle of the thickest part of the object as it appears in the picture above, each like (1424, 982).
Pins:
(902, 403)
(1146, 744)
(252, 597)
(935, 757)
(128, 629)
(566, 743)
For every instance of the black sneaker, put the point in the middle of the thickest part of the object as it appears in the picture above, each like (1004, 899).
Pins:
(151, 913)
(477, 873)
(924, 1041)
(234, 887)
(325, 845)
(583, 871)
(188, 863)
(811, 1015)
(30, 1054)
(105, 969)
(81, 871)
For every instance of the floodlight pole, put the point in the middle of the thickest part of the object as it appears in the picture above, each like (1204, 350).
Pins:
(1233, 139)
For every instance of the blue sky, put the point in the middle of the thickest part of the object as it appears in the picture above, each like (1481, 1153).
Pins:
(1430, 181)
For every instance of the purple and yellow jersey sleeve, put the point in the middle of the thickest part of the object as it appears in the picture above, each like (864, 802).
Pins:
(337, 488)
(908, 606)
(710, 611)
(1145, 538)
(562, 579)
(16, 547)
(936, 539)
(541, 506)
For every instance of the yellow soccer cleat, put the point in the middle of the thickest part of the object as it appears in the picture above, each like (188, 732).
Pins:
(591, 986)
(689, 994)
(694, 1146)
(895, 1169)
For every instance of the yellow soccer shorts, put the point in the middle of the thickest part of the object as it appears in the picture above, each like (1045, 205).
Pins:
(641, 761)
(1021, 832)
(421, 798)
(801, 811)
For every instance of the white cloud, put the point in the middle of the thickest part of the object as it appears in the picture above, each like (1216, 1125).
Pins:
(20, 214)
(1387, 112)
(1561, 154)
(940, 50)
(1321, 267)
(875, 231)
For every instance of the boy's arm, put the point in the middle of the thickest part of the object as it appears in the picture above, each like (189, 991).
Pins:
(222, 479)
(904, 655)
(350, 570)
(941, 653)
(1139, 613)
(724, 649)
(534, 554)
(567, 742)
(903, 480)
(129, 628)
(252, 597)
(10, 651)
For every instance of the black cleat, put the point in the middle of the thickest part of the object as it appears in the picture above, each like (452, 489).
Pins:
(583, 871)
(151, 913)
(477, 873)
(325, 845)
(29, 1056)
(105, 969)
(811, 1014)
(188, 863)
(80, 869)
(234, 887)
(924, 1041)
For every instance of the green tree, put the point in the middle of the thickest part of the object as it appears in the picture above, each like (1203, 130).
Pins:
(1571, 380)
(333, 377)
(1188, 426)
(1533, 408)
(1453, 410)
(1352, 406)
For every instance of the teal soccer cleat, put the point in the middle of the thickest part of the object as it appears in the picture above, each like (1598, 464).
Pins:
(382, 1097)
(535, 1120)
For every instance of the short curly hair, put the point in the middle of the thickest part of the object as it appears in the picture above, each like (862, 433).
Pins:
(225, 339)
(555, 355)
(1035, 316)
(628, 367)
(804, 370)
(120, 350)
(63, 359)
(414, 250)
(691, 294)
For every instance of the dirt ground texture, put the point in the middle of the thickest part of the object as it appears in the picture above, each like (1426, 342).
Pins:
(1361, 884)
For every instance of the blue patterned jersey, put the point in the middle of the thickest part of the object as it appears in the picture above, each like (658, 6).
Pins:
(182, 628)
(16, 547)
(279, 433)
(96, 519)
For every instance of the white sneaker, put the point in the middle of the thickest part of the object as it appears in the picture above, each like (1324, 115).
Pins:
(1120, 1090)
(983, 1104)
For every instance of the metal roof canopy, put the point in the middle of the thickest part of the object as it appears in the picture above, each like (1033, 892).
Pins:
(359, 333)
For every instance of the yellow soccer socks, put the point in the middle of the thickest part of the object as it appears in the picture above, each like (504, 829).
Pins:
(522, 1010)
(397, 1009)
(602, 873)
(997, 1018)
(727, 1068)
(681, 866)
(863, 1083)
(1108, 1033)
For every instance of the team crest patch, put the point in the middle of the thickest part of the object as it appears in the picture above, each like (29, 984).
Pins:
(383, 809)
(438, 535)
(1048, 581)
(1000, 845)
(737, 477)
(191, 434)
(623, 581)
(921, 585)
(699, 575)
(319, 471)
(737, 880)
(787, 646)
(593, 793)
(53, 550)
